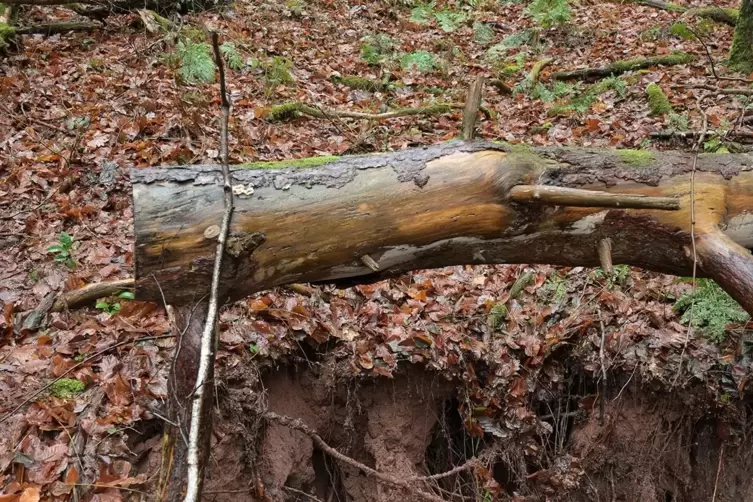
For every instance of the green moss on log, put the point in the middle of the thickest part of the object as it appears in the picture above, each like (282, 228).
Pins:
(625, 65)
(360, 83)
(639, 63)
(657, 100)
(295, 163)
(635, 158)
(726, 15)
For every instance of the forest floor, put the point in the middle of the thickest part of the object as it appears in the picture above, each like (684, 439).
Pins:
(581, 386)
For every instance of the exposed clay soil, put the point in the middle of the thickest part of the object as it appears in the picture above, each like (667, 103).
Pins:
(648, 446)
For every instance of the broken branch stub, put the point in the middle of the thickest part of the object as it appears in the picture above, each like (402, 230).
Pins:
(453, 203)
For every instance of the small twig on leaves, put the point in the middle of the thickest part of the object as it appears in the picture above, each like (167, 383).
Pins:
(206, 356)
(77, 366)
(696, 149)
(406, 483)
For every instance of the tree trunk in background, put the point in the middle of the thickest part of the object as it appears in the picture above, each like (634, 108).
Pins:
(741, 54)
(359, 219)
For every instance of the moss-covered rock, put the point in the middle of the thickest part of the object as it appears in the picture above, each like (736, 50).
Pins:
(657, 100)
(295, 163)
(635, 158)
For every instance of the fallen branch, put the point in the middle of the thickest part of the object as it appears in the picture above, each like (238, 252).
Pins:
(406, 483)
(729, 91)
(618, 67)
(563, 196)
(89, 293)
(726, 15)
(54, 28)
(295, 109)
(693, 135)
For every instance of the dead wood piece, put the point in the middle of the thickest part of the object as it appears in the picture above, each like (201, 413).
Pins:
(563, 196)
(472, 106)
(658, 4)
(724, 15)
(35, 318)
(54, 28)
(618, 67)
(726, 90)
(89, 293)
(605, 255)
(533, 75)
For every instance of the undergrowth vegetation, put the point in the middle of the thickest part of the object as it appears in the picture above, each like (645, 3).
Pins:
(710, 309)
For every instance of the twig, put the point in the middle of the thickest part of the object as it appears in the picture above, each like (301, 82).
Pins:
(206, 356)
(602, 359)
(718, 472)
(298, 425)
(77, 366)
(696, 148)
(626, 383)
(719, 90)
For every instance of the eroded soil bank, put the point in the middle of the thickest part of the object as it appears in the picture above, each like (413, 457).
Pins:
(647, 443)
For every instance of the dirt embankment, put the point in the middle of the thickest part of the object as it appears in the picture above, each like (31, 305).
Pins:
(652, 446)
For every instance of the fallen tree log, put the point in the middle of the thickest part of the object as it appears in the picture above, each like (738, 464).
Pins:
(625, 65)
(363, 218)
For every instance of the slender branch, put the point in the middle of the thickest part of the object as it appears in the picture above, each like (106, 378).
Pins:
(563, 196)
(53, 28)
(206, 358)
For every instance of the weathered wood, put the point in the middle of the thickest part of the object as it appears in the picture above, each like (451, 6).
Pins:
(576, 197)
(431, 207)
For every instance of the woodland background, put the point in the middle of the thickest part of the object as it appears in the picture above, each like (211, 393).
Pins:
(565, 383)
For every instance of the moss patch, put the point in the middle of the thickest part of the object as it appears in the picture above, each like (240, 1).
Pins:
(66, 388)
(635, 158)
(294, 163)
(657, 100)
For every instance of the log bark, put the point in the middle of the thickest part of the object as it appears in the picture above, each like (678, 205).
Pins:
(447, 204)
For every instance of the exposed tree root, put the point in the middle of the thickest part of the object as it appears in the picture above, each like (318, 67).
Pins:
(294, 109)
(406, 483)
(501, 86)
(623, 66)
